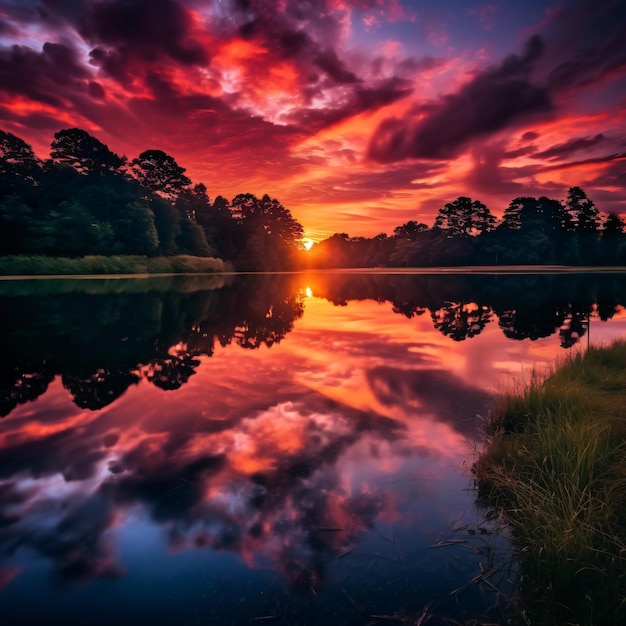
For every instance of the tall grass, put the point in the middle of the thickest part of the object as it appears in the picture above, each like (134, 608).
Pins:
(555, 467)
(24, 265)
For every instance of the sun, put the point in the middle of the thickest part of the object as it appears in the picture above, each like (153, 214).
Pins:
(307, 243)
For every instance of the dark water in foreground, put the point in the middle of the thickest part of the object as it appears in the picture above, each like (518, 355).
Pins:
(264, 449)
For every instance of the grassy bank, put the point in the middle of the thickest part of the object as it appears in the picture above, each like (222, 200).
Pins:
(555, 467)
(24, 265)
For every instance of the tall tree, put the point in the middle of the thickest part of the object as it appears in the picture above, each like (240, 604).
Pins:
(409, 230)
(167, 222)
(585, 211)
(613, 242)
(159, 172)
(613, 227)
(17, 160)
(519, 211)
(15, 216)
(270, 215)
(85, 153)
(271, 236)
(192, 238)
(215, 219)
(464, 217)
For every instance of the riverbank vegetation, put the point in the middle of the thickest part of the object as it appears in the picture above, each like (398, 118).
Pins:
(25, 265)
(86, 200)
(555, 468)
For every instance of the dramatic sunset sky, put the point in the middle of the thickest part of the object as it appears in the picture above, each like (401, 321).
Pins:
(358, 115)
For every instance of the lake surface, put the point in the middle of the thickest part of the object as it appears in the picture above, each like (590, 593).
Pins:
(289, 449)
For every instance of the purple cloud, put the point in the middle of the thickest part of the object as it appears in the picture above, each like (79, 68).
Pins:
(563, 150)
(493, 100)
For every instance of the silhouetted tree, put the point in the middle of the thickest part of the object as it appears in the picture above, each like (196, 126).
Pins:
(271, 215)
(212, 223)
(271, 234)
(220, 227)
(83, 152)
(160, 173)
(613, 227)
(519, 211)
(167, 223)
(587, 219)
(15, 219)
(613, 249)
(585, 211)
(464, 217)
(192, 239)
(17, 161)
(409, 230)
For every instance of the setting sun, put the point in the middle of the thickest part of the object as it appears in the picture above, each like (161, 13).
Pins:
(307, 243)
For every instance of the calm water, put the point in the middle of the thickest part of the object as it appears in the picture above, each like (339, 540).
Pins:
(289, 449)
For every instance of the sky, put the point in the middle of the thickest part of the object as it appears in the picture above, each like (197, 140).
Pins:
(358, 115)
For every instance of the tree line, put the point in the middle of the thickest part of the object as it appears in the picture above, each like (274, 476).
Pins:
(87, 200)
(465, 232)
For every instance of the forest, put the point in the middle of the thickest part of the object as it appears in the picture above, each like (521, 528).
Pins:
(87, 200)
(532, 231)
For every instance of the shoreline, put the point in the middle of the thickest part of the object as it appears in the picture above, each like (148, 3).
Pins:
(381, 271)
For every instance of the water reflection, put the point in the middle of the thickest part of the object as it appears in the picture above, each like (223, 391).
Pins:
(144, 414)
(99, 338)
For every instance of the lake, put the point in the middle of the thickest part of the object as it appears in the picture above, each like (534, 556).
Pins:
(289, 449)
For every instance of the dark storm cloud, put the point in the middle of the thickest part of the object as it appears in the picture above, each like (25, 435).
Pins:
(329, 62)
(44, 76)
(563, 150)
(359, 100)
(588, 43)
(96, 90)
(125, 32)
(493, 100)
(142, 46)
(293, 27)
(302, 33)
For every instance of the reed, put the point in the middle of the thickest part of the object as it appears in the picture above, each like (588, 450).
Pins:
(555, 468)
